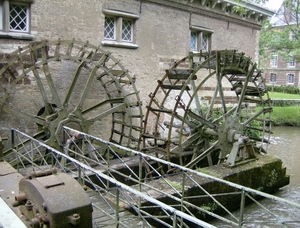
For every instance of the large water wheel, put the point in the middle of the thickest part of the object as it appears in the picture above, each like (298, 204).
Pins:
(209, 107)
(50, 84)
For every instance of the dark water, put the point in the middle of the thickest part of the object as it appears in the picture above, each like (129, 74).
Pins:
(285, 144)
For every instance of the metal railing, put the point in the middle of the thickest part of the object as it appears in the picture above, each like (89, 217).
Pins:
(123, 194)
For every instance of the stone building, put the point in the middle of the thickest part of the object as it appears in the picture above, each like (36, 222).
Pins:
(147, 36)
(158, 32)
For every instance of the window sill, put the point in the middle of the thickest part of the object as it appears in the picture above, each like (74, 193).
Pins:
(119, 44)
(14, 35)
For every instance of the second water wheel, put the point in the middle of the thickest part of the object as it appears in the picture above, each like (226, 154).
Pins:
(211, 107)
(50, 84)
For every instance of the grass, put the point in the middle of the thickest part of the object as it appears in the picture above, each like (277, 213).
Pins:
(287, 115)
(275, 95)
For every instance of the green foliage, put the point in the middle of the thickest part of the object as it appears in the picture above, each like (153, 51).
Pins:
(284, 89)
(288, 115)
(278, 39)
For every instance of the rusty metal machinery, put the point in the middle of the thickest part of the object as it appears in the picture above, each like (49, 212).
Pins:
(49, 84)
(56, 200)
(209, 107)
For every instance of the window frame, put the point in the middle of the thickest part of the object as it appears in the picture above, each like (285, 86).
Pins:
(118, 40)
(200, 33)
(5, 30)
(288, 78)
(292, 63)
(274, 59)
(272, 76)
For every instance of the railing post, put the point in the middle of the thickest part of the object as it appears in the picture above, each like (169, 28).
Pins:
(241, 218)
(140, 177)
(182, 195)
(117, 208)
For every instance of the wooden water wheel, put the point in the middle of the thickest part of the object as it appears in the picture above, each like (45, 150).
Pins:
(49, 84)
(211, 107)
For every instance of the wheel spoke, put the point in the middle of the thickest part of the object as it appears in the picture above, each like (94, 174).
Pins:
(204, 154)
(21, 115)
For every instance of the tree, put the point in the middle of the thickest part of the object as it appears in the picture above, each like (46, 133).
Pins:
(281, 34)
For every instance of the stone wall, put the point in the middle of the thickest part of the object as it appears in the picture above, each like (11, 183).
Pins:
(162, 32)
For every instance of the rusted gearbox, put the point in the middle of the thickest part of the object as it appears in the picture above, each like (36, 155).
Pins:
(53, 200)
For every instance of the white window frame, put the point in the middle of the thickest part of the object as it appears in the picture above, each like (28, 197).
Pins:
(289, 76)
(119, 40)
(272, 76)
(274, 60)
(5, 20)
(200, 33)
(114, 29)
(123, 30)
(292, 63)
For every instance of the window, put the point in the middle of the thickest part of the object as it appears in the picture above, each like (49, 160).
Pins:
(200, 39)
(292, 62)
(204, 42)
(272, 78)
(127, 29)
(193, 41)
(274, 60)
(15, 19)
(119, 29)
(109, 28)
(290, 78)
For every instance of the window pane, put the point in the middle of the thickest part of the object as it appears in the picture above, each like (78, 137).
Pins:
(292, 63)
(109, 28)
(127, 30)
(274, 59)
(273, 77)
(290, 78)
(204, 42)
(193, 41)
(18, 18)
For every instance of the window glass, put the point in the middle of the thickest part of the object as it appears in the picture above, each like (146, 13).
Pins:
(290, 78)
(127, 30)
(109, 28)
(204, 42)
(273, 77)
(274, 60)
(18, 18)
(292, 63)
(193, 41)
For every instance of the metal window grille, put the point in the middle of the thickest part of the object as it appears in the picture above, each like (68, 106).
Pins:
(204, 42)
(18, 18)
(193, 41)
(291, 78)
(273, 77)
(109, 28)
(127, 26)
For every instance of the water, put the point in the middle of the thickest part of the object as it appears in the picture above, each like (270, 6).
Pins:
(285, 144)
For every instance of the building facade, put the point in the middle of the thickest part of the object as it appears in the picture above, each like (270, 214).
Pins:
(279, 70)
(147, 36)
